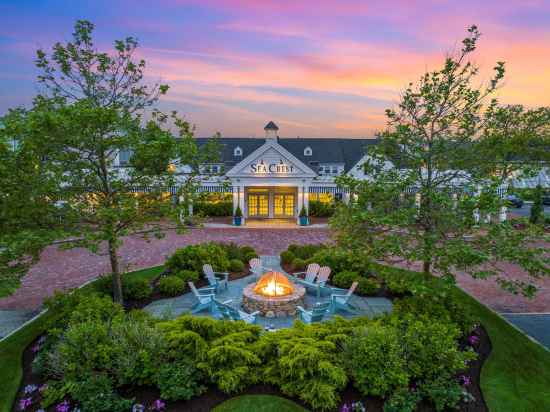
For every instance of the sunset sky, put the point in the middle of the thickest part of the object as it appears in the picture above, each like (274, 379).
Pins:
(317, 68)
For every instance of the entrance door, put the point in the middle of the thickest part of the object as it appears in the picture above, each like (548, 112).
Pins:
(258, 205)
(283, 205)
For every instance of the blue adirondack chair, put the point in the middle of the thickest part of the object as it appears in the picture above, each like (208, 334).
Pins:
(320, 281)
(314, 315)
(256, 268)
(309, 275)
(205, 298)
(213, 280)
(230, 313)
(340, 301)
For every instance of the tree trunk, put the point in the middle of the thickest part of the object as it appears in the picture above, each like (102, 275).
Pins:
(115, 273)
(427, 266)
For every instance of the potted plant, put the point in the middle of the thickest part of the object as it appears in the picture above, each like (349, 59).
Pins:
(238, 216)
(303, 217)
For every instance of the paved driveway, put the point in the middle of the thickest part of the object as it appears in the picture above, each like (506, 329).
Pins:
(535, 325)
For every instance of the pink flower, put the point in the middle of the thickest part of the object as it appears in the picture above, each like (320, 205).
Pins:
(473, 339)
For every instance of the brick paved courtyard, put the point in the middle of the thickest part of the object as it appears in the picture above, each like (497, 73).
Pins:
(63, 269)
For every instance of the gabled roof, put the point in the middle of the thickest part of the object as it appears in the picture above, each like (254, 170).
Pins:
(324, 150)
(271, 126)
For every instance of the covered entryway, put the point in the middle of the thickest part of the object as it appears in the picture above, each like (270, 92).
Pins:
(258, 205)
(271, 202)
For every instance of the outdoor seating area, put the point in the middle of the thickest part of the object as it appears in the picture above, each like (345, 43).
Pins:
(226, 302)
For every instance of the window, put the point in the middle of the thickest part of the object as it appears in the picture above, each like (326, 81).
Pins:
(238, 152)
(308, 151)
(212, 169)
(330, 169)
(124, 157)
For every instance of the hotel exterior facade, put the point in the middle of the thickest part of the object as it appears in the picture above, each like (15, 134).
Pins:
(273, 177)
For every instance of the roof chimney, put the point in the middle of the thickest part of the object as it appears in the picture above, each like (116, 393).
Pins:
(271, 131)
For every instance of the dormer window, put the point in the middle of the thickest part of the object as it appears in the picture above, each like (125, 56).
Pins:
(238, 152)
(308, 151)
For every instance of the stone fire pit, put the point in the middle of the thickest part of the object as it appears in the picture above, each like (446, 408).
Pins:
(273, 296)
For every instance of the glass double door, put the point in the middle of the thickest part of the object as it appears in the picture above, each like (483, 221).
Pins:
(258, 205)
(283, 205)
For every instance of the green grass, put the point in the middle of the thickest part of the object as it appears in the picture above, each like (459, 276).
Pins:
(11, 349)
(8, 286)
(516, 377)
(258, 403)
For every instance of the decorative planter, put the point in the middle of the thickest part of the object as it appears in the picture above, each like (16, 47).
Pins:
(304, 220)
(237, 220)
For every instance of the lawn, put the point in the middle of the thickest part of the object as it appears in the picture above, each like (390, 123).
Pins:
(516, 377)
(259, 403)
(11, 349)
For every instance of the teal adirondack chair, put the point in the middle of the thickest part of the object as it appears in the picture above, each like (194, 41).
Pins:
(256, 268)
(319, 282)
(213, 280)
(314, 315)
(339, 301)
(230, 313)
(309, 274)
(205, 298)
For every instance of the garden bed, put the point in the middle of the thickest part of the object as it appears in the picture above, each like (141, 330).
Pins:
(147, 395)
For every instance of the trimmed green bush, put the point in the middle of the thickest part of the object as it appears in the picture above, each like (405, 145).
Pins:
(344, 279)
(136, 289)
(193, 257)
(321, 209)
(180, 380)
(219, 209)
(171, 286)
(236, 265)
(298, 264)
(367, 286)
(187, 275)
(249, 256)
(287, 257)
(245, 250)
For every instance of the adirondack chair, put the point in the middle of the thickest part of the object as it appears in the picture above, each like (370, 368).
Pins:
(322, 278)
(339, 301)
(256, 268)
(213, 280)
(314, 315)
(230, 313)
(309, 274)
(205, 298)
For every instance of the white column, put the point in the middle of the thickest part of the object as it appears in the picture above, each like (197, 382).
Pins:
(241, 202)
(235, 197)
(306, 198)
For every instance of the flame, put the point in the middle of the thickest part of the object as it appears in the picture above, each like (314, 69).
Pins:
(274, 284)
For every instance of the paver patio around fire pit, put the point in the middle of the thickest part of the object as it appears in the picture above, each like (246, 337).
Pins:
(173, 307)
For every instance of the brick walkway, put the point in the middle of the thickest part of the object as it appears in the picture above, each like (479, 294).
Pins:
(63, 269)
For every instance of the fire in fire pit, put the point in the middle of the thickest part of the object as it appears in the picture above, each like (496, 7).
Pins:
(273, 284)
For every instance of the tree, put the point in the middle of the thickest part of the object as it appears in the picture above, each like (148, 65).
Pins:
(537, 210)
(426, 183)
(91, 108)
(30, 218)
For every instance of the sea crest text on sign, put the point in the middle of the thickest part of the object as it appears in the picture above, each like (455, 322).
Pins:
(271, 168)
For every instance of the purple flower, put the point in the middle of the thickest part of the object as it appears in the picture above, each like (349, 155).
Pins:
(43, 387)
(30, 389)
(345, 408)
(25, 403)
(63, 407)
(35, 348)
(159, 405)
(473, 340)
(465, 380)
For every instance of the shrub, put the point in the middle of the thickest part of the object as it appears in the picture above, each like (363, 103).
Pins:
(367, 286)
(305, 251)
(287, 257)
(247, 250)
(193, 257)
(402, 400)
(213, 209)
(96, 393)
(340, 261)
(232, 250)
(298, 264)
(376, 360)
(236, 265)
(320, 209)
(249, 256)
(136, 289)
(179, 380)
(344, 279)
(171, 286)
(444, 393)
(187, 275)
